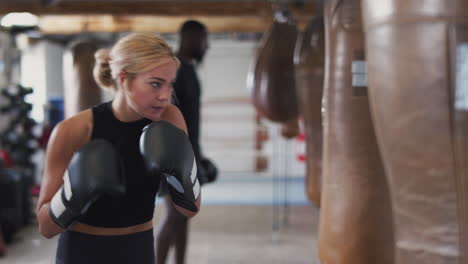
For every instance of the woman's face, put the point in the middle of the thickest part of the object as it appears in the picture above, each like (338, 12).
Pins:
(150, 92)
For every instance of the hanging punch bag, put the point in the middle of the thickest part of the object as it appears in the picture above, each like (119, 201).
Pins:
(355, 218)
(418, 77)
(309, 60)
(81, 90)
(274, 94)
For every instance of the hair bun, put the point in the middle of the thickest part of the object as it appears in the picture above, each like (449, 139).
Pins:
(102, 56)
(102, 71)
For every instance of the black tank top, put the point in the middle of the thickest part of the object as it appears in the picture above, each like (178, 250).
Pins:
(137, 206)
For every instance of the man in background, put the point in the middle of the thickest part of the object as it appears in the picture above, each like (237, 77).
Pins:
(193, 45)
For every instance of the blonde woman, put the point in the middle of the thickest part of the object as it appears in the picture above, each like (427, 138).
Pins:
(104, 165)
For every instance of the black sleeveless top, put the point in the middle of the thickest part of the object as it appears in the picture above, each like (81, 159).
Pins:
(137, 206)
(188, 93)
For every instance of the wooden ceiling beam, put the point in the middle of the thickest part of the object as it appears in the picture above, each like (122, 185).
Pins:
(169, 8)
(74, 24)
(161, 24)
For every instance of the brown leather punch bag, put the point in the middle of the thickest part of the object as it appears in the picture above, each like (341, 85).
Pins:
(81, 90)
(309, 60)
(418, 76)
(274, 92)
(355, 219)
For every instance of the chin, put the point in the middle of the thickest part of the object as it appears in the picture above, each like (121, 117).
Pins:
(154, 117)
(151, 116)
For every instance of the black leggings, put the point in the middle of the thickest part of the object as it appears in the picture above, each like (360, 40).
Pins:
(75, 247)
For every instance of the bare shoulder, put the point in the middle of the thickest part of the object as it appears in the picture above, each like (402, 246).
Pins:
(74, 131)
(173, 115)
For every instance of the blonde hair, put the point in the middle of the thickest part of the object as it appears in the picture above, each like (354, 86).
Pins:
(137, 52)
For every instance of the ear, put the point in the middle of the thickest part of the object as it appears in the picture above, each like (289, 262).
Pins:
(122, 76)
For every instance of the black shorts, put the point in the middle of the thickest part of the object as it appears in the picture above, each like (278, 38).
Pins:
(75, 247)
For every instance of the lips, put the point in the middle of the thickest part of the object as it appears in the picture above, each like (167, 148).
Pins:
(157, 108)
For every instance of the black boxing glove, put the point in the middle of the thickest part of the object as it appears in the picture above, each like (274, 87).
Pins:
(167, 150)
(95, 169)
(209, 171)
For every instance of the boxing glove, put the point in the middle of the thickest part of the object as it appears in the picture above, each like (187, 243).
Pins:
(210, 171)
(93, 171)
(166, 150)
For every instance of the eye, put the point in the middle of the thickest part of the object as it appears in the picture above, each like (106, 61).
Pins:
(156, 84)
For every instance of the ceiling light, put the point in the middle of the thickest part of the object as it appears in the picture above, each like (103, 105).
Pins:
(19, 20)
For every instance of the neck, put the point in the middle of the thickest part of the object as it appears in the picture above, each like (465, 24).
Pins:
(185, 57)
(122, 109)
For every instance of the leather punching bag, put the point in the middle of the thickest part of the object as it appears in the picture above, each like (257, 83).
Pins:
(309, 60)
(355, 219)
(418, 77)
(274, 94)
(81, 90)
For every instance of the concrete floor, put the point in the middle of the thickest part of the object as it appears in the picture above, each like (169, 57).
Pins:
(269, 221)
(219, 234)
(244, 234)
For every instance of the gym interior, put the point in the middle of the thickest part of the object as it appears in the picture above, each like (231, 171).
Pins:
(338, 127)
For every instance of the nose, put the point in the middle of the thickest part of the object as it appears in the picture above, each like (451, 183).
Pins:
(165, 94)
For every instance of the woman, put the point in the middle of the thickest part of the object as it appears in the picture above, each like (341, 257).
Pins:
(141, 69)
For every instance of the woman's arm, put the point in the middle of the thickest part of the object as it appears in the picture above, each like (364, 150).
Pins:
(173, 115)
(67, 137)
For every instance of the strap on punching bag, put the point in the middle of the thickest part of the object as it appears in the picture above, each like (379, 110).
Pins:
(459, 48)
